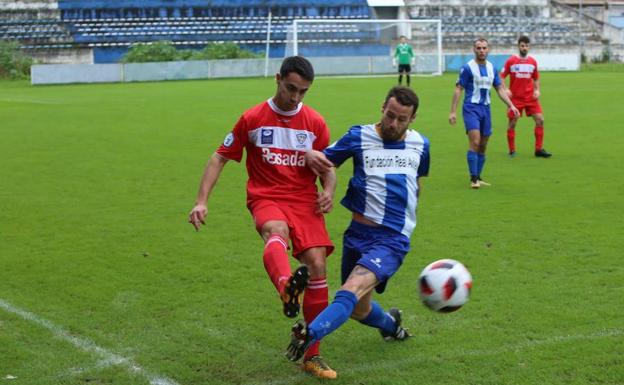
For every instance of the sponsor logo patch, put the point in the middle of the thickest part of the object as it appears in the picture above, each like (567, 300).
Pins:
(229, 139)
(302, 137)
(266, 136)
(388, 161)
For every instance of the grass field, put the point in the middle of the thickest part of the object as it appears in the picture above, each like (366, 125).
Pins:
(102, 281)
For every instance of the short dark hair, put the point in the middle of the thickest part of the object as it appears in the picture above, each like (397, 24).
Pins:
(480, 39)
(524, 39)
(299, 65)
(405, 96)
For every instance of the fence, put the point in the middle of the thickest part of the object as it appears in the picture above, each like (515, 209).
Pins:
(184, 70)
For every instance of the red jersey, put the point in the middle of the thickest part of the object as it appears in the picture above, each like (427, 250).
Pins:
(276, 142)
(523, 73)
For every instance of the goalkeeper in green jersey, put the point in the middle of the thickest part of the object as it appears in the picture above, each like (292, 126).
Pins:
(405, 57)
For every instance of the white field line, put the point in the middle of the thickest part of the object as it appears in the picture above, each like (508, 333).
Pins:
(364, 76)
(30, 101)
(458, 354)
(87, 345)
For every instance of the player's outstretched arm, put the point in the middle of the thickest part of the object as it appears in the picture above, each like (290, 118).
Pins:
(209, 179)
(325, 199)
(536, 89)
(456, 96)
(503, 76)
(501, 90)
(318, 162)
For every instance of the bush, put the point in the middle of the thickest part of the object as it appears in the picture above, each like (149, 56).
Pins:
(157, 51)
(165, 51)
(605, 56)
(13, 63)
(214, 51)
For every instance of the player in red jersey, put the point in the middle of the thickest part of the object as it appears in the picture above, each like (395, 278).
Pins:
(281, 192)
(524, 91)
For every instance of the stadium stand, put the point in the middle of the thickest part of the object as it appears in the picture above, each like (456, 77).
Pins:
(107, 28)
(502, 24)
(33, 23)
(111, 28)
(551, 24)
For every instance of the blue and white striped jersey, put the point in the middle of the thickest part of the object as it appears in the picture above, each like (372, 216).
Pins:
(477, 79)
(383, 187)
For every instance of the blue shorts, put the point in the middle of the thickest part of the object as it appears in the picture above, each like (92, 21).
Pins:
(477, 117)
(379, 249)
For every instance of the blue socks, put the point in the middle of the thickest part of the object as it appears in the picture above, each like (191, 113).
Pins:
(379, 319)
(476, 161)
(339, 311)
(334, 315)
(473, 162)
(481, 163)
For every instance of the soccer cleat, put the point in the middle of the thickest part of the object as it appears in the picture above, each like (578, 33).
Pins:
(317, 367)
(542, 153)
(512, 154)
(401, 333)
(474, 182)
(300, 340)
(483, 183)
(291, 297)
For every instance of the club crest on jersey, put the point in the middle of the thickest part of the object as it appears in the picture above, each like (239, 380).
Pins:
(229, 139)
(266, 136)
(302, 137)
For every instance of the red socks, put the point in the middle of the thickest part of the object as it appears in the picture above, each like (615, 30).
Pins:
(315, 300)
(511, 139)
(276, 261)
(315, 296)
(539, 138)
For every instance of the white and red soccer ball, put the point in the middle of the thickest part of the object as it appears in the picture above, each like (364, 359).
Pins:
(445, 285)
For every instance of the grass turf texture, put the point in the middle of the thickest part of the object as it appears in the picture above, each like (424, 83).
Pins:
(96, 182)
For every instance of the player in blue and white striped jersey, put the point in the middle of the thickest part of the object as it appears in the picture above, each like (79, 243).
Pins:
(388, 162)
(477, 77)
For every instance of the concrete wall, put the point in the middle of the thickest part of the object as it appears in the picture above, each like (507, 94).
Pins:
(479, 3)
(136, 72)
(373, 65)
(61, 55)
(12, 5)
(563, 61)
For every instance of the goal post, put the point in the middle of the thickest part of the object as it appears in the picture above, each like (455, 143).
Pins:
(374, 40)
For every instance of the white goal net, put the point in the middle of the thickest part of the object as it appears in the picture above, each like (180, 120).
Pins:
(346, 46)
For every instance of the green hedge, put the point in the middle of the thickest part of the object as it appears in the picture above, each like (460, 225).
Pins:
(165, 51)
(13, 63)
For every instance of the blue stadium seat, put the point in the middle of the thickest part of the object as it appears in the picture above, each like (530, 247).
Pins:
(194, 23)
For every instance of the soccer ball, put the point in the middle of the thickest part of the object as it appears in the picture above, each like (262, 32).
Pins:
(445, 285)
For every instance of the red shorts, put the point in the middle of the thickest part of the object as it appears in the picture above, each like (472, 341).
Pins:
(307, 227)
(530, 108)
